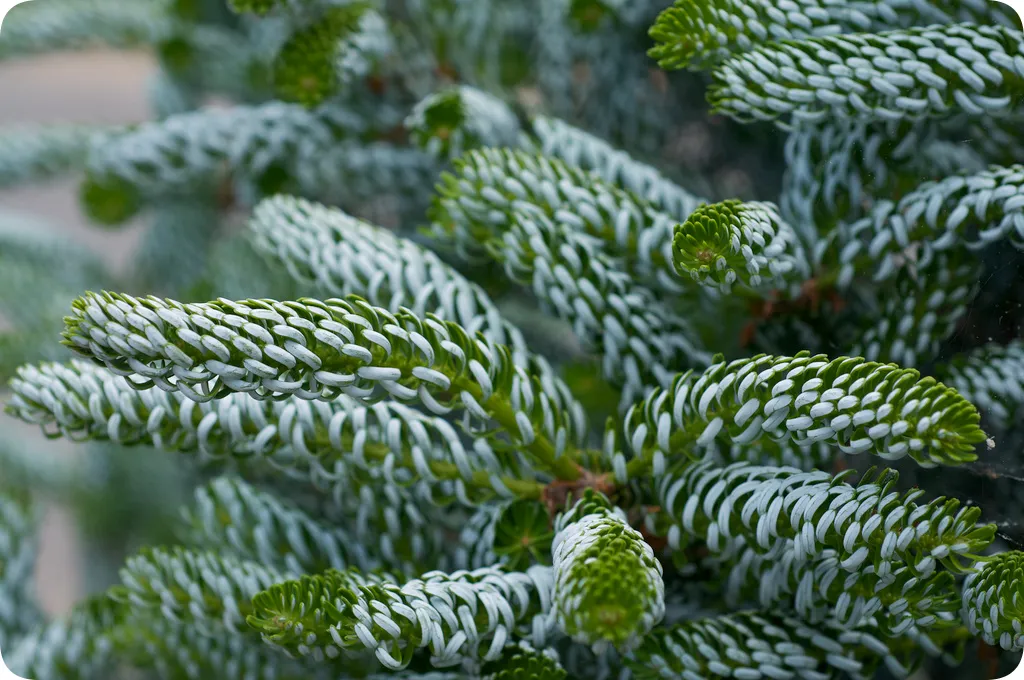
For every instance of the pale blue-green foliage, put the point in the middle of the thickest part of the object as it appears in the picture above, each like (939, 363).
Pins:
(74, 647)
(36, 27)
(788, 83)
(967, 210)
(187, 150)
(172, 255)
(921, 311)
(30, 153)
(19, 524)
(991, 376)
(696, 34)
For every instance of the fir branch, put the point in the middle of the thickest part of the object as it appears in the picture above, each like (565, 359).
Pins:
(343, 256)
(836, 169)
(921, 311)
(775, 510)
(993, 601)
(338, 346)
(455, 120)
(966, 210)
(640, 340)
(580, 149)
(182, 153)
(949, 69)
(201, 590)
(83, 401)
(857, 405)
(729, 242)
(991, 376)
(899, 599)
(308, 69)
(478, 203)
(696, 35)
(41, 152)
(761, 644)
(228, 514)
(337, 612)
(608, 585)
(77, 24)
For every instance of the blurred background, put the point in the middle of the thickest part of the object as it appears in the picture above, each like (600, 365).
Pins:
(94, 87)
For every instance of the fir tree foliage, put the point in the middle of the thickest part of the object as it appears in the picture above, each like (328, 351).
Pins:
(468, 375)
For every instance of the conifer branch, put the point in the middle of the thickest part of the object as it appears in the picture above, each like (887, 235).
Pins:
(775, 510)
(967, 210)
(337, 438)
(201, 590)
(921, 312)
(938, 71)
(477, 204)
(343, 256)
(40, 152)
(640, 340)
(336, 612)
(991, 376)
(857, 405)
(693, 34)
(318, 350)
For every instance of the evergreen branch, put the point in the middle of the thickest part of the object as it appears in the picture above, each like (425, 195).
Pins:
(921, 312)
(857, 405)
(40, 152)
(354, 173)
(185, 152)
(813, 514)
(200, 590)
(452, 122)
(761, 644)
(228, 514)
(317, 350)
(899, 599)
(936, 71)
(478, 204)
(837, 169)
(991, 376)
(971, 211)
(993, 601)
(639, 339)
(455, 120)
(458, 616)
(343, 256)
(608, 585)
(77, 24)
(724, 243)
(75, 647)
(696, 35)
(83, 401)
(580, 149)
(317, 60)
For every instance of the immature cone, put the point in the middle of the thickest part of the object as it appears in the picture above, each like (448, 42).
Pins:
(608, 584)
